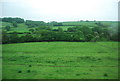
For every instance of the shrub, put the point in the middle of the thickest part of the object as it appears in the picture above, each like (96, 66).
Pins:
(105, 75)
(19, 71)
(28, 71)
(99, 59)
(30, 65)
(77, 74)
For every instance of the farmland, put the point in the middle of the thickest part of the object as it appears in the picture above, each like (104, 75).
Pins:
(59, 50)
(24, 28)
(60, 60)
(89, 23)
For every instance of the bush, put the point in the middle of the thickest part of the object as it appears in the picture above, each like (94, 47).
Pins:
(105, 75)
(19, 71)
(30, 65)
(28, 71)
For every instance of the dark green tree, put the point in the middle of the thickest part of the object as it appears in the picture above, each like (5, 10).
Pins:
(31, 30)
(14, 24)
(14, 38)
(89, 37)
(7, 28)
(5, 37)
(10, 20)
(60, 29)
(86, 30)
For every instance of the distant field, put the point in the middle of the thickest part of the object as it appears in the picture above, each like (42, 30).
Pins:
(5, 24)
(90, 23)
(63, 27)
(60, 60)
(23, 28)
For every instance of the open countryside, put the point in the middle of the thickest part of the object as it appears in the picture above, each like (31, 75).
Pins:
(59, 50)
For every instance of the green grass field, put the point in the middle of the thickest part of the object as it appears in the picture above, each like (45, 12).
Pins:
(60, 60)
(63, 27)
(21, 27)
(90, 23)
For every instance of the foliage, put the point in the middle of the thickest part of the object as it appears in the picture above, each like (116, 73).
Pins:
(54, 23)
(14, 24)
(9, 19)
(31, 23)
(7, 28)
(32, 31)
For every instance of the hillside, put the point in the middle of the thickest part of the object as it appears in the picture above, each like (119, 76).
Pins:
(17, 30)
(55, 50)
(24, 28)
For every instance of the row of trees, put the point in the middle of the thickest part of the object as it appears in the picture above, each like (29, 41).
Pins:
(29, 23)
(46, 33)
(32, 24)
(11, 20)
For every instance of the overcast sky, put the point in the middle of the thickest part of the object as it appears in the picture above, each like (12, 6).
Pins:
(61, 10)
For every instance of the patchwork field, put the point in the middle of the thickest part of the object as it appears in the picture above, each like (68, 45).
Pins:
(60, 60)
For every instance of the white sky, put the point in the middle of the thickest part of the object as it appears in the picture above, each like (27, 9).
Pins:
(61, 10)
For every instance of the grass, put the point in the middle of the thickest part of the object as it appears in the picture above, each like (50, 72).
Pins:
(79, 23)
(21, 28)
(63, 27)
(60, 60)
(90, 23)
(5, 24)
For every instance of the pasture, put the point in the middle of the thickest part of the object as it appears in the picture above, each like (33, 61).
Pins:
(90, 23)
(60, 60)
(63, 27)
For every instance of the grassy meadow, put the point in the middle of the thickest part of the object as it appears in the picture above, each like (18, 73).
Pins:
(60, 60)
(89, 23)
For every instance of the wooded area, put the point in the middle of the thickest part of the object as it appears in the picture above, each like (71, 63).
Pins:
(42, 31)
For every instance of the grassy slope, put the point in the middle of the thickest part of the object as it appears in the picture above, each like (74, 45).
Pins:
(21, 27)
(82, 60)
